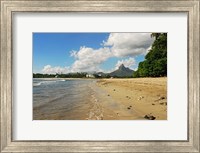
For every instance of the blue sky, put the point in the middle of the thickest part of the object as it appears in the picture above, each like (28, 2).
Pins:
(84, 52)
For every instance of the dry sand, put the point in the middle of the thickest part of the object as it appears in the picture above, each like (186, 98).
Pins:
(135, 98)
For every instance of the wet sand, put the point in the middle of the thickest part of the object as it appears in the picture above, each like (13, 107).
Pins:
(137, 97)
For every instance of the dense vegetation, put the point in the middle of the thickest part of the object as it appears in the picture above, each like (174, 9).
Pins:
(155, 63)
(69, 75)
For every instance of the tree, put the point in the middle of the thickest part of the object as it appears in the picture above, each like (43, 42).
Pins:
(155, 63)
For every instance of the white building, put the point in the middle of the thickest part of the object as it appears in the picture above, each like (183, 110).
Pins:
(90, 76)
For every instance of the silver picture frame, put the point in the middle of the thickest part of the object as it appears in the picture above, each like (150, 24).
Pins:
(9, 7)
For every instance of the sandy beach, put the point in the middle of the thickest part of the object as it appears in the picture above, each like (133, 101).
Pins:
(136, 97)
(104, 99)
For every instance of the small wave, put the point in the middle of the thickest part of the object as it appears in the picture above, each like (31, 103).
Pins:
(47, 82)
(37, 84)
(61, 80)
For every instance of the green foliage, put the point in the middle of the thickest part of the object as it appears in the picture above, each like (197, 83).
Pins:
(69, 75)
(155, 63)
(39, 75)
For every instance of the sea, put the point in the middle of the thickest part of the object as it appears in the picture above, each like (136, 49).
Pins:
(61, 99)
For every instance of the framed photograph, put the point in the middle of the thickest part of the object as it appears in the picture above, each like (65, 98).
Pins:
(99, 76)
(116, 80)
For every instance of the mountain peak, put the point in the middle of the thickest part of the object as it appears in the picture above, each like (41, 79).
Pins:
(122, 71)
(121, 67)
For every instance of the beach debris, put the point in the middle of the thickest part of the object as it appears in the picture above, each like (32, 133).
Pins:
(128, 97)
(161, 98)
(150, 117)
(113, 89)
(108, 95)
(163, 103)
(129, 107)
(141, 97)
(153, 104)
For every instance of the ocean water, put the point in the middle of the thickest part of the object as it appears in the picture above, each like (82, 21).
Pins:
(62, 98)
(47, 90)
(75, 99)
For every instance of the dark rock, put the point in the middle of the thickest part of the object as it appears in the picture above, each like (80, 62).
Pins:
(128, 107)
(153, 104)
(108, 95)
(161, 97)
(163, 103)
(150, 117)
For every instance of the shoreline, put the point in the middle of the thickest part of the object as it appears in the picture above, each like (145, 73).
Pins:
(111, 99)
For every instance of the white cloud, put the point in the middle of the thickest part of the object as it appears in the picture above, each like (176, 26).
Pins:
(150, 47)
(117, 45)
(127, 63)
(129, 44)
(89, 59)
(48, 69)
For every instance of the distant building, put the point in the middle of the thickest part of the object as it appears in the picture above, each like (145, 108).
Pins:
(56, 76)
(90, 76)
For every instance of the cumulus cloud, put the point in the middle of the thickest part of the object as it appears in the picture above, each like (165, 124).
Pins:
(89, 59)
(129, 44)
(127, 63)
(118, 45)
(48, 69)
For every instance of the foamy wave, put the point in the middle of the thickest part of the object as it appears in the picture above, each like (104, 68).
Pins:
(96, 111)
(46, 82)
(37, 84)
(61, 80)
